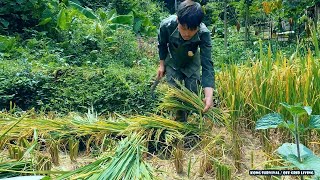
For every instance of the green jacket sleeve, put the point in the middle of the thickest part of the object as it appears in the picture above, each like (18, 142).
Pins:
(163, 38)
(206, 61)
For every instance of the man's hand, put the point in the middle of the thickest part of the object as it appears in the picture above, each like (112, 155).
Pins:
(208, 100)
(161, 70)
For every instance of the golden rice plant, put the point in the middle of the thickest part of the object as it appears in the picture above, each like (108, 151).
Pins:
(205, 166)
(178, 159)
(3, 142)
(261, 85)
(53, 147)
(43, 162)
(137, 123)
(59, 128)
(16, 152)
(23, 142)
(66, 128)
(183, 99)
(73, 148)
(233, 97)
(254, 89)
(213, 148)
(154, 126)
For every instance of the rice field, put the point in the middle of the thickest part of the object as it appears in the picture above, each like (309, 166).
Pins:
(222, 144)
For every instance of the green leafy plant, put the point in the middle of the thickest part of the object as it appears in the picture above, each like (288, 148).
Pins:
(19, 14)
(102, 19)
(297, 154)
(125, 163)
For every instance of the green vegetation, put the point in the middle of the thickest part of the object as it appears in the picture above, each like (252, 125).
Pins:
(75, 79)
(302, 157)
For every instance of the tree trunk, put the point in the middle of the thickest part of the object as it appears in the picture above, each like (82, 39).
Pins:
(225, 23)
(246, 24)
(315, 15)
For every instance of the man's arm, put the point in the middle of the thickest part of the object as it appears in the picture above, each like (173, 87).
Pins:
(208, 81)
(161, 70)
(163, 49)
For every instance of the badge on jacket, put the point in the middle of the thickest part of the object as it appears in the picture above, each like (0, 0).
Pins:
(190, 53)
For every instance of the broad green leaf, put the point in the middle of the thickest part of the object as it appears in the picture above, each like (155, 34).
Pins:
(272, 120)
(62, 19)
(89, 13)
(311, 162)
(308, 109)
(315, 121)
(287, 149)
(111, 14)
(98, 28)
(45, 21)
(297, 109)
(85, 11)
(114, 26)
(288, 125)
(122, 19)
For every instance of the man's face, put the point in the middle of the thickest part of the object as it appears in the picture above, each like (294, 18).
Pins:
(186, 33)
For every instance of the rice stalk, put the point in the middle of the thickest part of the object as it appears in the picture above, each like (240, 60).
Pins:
(16, 152)
(73, 149)
(126, 163)
(43, 162)
(183, 99)
(254, 89)
(222, 171)
(178, 159)
(205, 166)
(54, 152)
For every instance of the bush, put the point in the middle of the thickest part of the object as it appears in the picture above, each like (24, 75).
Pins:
(123, 49)
(112, 89)
(21, 86)
(19, 14)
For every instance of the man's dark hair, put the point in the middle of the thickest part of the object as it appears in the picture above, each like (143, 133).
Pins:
(190, 14)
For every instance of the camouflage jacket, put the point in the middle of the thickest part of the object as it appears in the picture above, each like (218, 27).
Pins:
(185, 55)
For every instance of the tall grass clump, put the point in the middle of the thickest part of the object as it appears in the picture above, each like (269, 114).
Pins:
(253, 89)
(260, 86)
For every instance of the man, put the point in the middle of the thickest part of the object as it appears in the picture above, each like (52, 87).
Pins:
(179, 40)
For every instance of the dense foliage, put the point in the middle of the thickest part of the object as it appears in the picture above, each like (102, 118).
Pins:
(69, 58)
(112, 89)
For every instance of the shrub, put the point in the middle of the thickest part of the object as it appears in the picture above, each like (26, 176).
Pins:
(123, 48)
(19, 14)
(112, 89)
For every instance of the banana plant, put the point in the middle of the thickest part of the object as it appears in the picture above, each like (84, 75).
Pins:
(297, 154)
(102, 20)
(110, 21)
